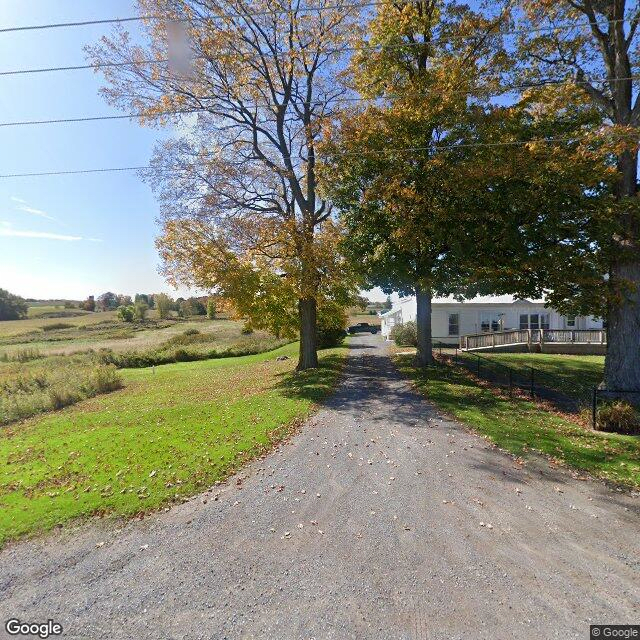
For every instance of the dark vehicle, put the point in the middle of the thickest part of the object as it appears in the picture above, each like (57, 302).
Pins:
(362, 327)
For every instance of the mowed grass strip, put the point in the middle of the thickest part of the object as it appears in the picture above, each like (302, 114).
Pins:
(523, 427)
(166, 435)
(573, 375)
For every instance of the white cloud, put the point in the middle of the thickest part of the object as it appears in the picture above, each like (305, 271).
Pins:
(15, 233)
(36, 212)
(31, 210)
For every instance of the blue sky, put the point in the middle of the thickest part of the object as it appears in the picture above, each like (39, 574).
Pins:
(69, 236)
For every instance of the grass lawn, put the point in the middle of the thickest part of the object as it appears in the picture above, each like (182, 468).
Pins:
(573, 375)
(520, 426)
(164, 436)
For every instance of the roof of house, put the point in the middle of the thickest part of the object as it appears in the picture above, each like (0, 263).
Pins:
(477, 301)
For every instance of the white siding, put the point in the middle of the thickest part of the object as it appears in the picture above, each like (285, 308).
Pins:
(470, 316)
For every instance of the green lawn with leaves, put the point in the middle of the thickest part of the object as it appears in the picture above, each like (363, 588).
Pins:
(523, 427)
(166, 435)
(573, 375)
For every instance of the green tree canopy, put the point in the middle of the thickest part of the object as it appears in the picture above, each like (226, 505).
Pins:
(12, 307)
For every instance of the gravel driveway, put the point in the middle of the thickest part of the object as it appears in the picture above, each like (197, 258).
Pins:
(380, 519)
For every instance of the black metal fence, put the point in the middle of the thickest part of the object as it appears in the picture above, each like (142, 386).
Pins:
(523, 378)
(535, 382)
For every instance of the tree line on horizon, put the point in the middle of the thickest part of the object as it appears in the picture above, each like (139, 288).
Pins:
(421, 146)
(13, 307)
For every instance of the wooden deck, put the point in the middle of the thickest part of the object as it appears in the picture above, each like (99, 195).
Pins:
(533, 339)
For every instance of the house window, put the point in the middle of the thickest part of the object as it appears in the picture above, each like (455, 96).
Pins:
(534, 321)
(571, 322)
(490, 322)
(454, 324)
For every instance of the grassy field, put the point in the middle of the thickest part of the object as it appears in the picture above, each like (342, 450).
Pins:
(56, 362)
(103, 330)
(522, 427)
(355, 318)
(573, 375)
(166, 435)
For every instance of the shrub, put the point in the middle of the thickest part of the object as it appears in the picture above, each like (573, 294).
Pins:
(25, 355)
(405, 335)
(103, 379)
(140, 310)
(331, 323)
(164, 304)
(56, 383)
(56, 326)
(126, 314)
(618, 416)
(61, 397)
(191, 332)
(212, 308)
(247, 329)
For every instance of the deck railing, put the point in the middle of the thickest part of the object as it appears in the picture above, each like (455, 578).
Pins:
(533, 336)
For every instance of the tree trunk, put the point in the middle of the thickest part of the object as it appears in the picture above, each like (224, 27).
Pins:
(622, 363)
(308, 358)
(424, 356)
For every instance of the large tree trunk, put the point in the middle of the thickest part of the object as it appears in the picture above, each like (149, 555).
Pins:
(622, 363)
(424, 356)
(307, 310)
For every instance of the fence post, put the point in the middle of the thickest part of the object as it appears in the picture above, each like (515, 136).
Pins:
(594, 407)
(510, 383)
(533, 393)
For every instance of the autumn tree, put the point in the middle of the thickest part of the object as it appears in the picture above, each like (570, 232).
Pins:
(164, 305)
(592, 47)
(393, 169)
(108, 301)
(259, 80)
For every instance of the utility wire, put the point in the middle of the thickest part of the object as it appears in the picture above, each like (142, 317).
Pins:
(343, 99)
(23, 123)
(434, 147)
(224, 14)
(252, 14)
(365, 47)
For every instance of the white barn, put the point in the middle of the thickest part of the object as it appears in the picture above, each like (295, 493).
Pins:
(451, 319)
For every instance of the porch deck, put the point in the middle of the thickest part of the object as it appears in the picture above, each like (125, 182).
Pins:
(536, 340)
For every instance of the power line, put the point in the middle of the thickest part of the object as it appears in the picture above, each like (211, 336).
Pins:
(80, 67)
(343, 99)
(72, 172)
(23, 123)
(365, 47)
(224, 14)
(434, 147)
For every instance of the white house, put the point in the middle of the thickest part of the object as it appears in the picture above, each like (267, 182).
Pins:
(451, 319)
